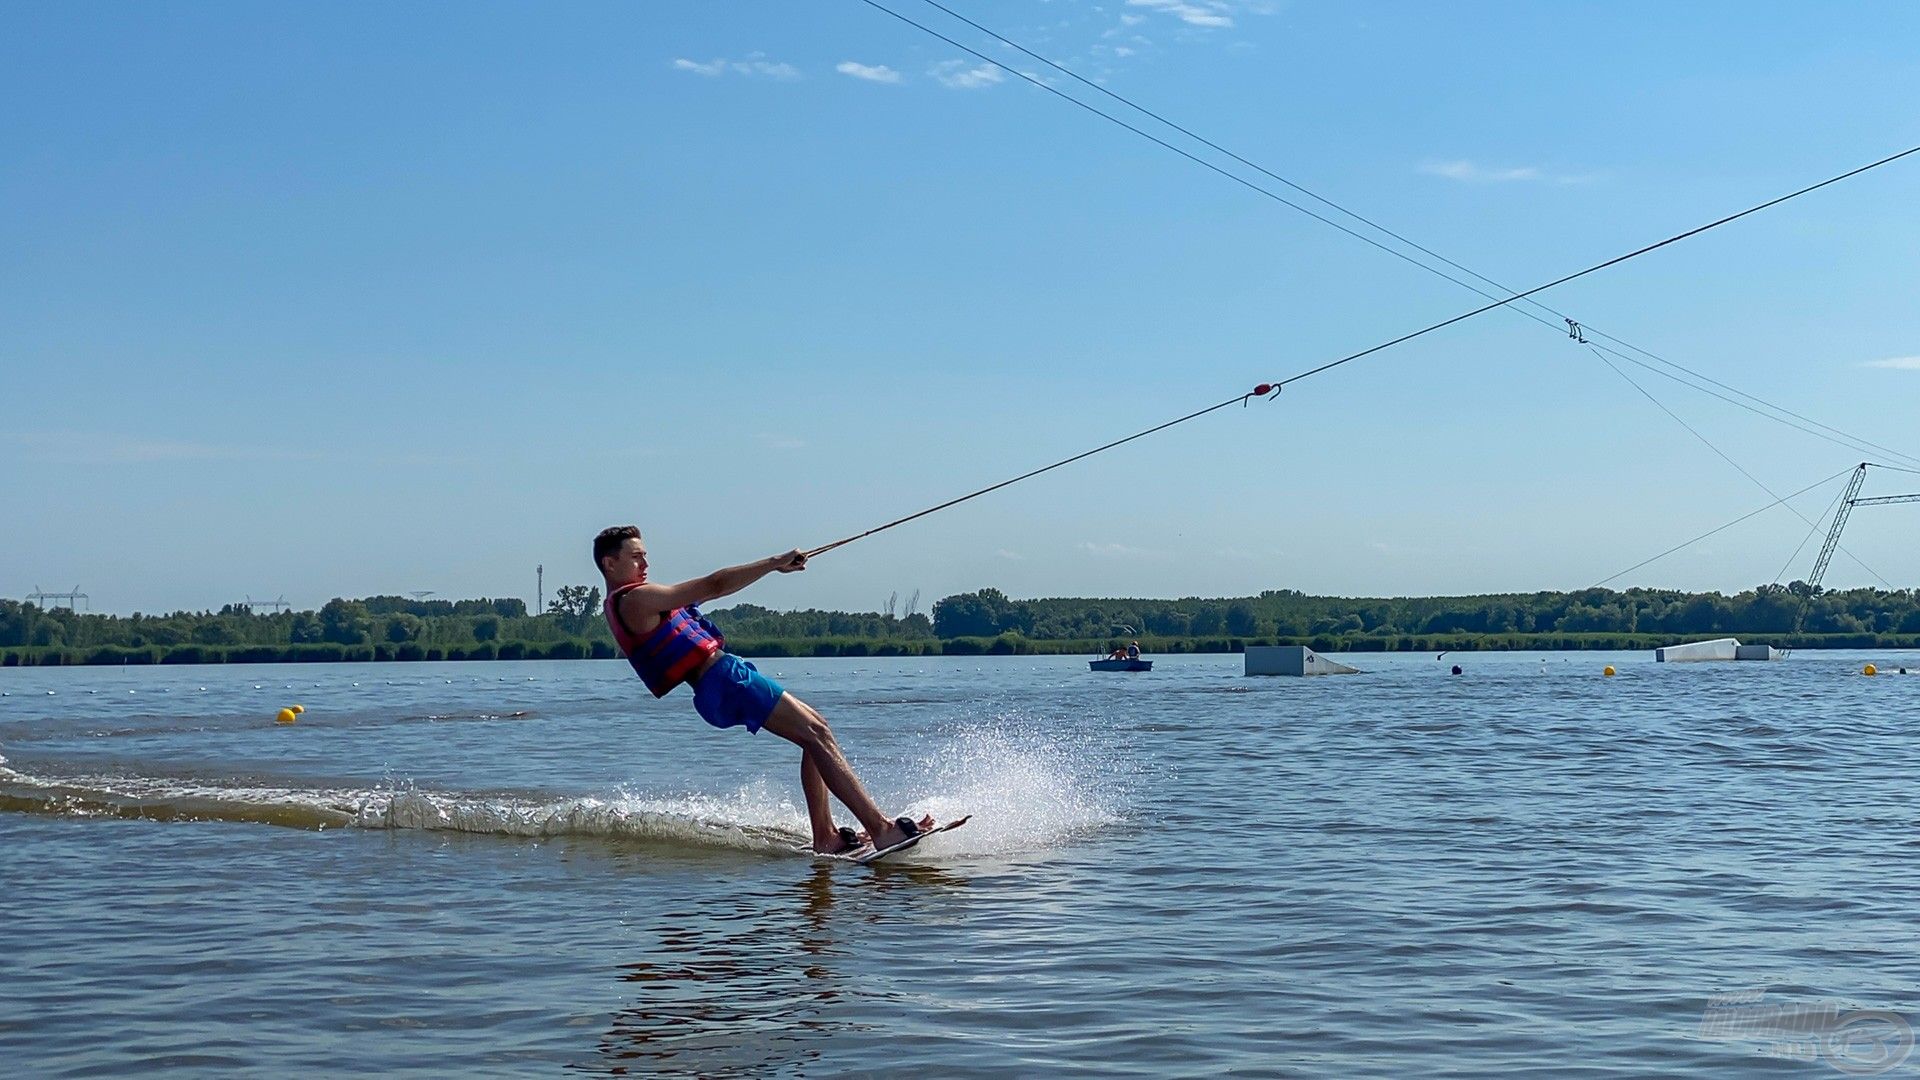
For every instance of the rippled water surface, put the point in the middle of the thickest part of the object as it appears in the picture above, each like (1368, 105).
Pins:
(1529, 869)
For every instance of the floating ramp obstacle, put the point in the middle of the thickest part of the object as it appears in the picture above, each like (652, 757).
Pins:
(1292, 660)
(1725, 648)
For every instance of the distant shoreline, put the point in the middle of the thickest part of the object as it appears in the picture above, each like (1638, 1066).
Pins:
(1001, 645)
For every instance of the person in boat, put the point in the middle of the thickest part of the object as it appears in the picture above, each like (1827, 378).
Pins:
(1133, 651)
(1118, 653)
(668, 642)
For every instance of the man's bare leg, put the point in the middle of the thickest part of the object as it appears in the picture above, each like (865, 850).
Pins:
(826, 835)
(798, 723)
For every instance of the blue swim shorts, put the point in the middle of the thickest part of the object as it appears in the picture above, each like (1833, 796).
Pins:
(733, 693)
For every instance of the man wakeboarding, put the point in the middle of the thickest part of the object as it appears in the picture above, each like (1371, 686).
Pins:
(668, 642)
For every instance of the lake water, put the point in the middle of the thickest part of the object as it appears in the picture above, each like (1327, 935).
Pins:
(481, 869)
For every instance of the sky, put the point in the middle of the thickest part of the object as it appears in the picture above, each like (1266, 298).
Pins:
(341, 300)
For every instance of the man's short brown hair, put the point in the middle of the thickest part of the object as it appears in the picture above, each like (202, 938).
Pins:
(610, 540)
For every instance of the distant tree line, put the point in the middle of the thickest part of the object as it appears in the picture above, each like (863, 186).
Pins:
(987, 621)
(1286, 613)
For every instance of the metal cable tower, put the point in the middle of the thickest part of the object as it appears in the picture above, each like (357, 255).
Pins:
(1848, 500)
(1833, 536)
(38, 595)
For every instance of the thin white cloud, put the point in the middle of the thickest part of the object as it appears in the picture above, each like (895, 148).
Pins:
(879, 73)
(1116, 551)
(1011, 556)
(1897, 363)
(956, 75)
(1468, 172)
(755, 65)
(1208, 13)
(775, 441)
(101, 448)
(1245, 555)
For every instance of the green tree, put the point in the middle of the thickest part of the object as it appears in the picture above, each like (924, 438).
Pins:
(1241, 619)
(345, 622)
(575, 606)
(977, 614)
(1208, 620)
(215, 633)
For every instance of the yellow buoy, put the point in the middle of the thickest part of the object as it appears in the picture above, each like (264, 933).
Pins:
(298, 709)
(1869, 670)
(284, 716)
(1608, 670)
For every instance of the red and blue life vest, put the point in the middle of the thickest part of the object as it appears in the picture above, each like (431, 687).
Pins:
(673, 651)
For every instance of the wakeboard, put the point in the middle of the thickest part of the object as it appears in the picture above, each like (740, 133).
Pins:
(870, 855)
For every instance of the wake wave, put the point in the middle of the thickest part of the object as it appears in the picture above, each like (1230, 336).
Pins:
(748, 821)
(1025, 791)
(742, 823)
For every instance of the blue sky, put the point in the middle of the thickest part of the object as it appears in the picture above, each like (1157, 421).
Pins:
(369, 298)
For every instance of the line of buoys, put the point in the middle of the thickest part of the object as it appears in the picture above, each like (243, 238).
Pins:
(289, 714)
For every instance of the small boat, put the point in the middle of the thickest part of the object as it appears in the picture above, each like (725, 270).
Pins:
(1120, 665)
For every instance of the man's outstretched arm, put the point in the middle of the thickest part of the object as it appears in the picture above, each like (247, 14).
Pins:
(652, 599)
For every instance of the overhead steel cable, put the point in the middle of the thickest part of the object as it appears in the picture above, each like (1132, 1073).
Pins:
(1615, 261)
(1811, 533)
(1724, 456)
(1849, 442)
(1853, 441)
(1156, 140)
(1272, 389)
(1710, 532)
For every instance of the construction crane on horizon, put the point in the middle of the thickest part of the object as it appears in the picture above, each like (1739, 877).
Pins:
(278, 605)
(38, 594)
(1849, 499)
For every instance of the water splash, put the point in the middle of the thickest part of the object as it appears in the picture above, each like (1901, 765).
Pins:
(1029, 787)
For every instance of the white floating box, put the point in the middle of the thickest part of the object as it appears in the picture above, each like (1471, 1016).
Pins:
(1725, 648)
(1292, 660)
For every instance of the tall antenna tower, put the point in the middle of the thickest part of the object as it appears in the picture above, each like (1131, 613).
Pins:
(539, 589)
(38, 595)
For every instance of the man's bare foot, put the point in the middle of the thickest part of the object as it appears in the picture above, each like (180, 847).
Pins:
(893, 834)
(843, 842)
